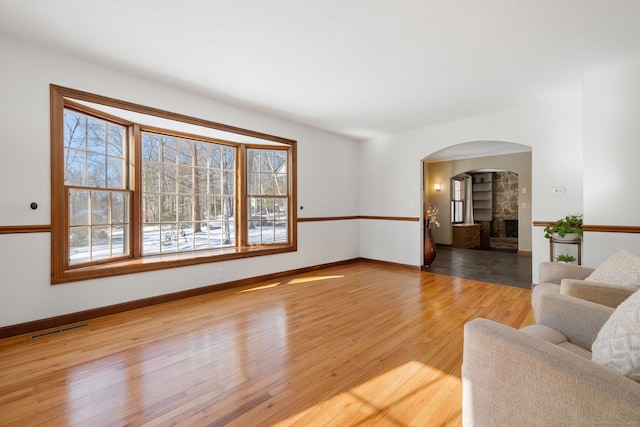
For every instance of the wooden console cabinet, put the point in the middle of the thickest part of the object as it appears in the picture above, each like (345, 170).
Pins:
(466, 235)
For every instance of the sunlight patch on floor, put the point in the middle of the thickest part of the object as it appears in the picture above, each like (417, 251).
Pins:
(312, 279)
(388, 399)
(296, 281)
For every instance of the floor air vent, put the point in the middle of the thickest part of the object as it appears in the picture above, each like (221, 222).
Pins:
(59, 331)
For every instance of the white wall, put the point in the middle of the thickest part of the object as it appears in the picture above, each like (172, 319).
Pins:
(327, 186)
(611, 159)
(390, 171)
(586, 140)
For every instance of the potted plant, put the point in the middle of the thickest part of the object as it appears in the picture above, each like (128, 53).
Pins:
(567, 228)
(565, 259)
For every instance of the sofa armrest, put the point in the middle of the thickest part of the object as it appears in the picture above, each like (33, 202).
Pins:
(609, 295)
(554, 272)
(579, 320)
(512, 379)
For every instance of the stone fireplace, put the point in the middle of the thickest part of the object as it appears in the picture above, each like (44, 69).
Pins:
(504, 224)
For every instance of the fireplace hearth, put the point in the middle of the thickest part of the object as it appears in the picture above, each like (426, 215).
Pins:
(504, 234)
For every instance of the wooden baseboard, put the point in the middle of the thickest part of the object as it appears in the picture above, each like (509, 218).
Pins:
(525, 253)
(83, 316)
(393, 264)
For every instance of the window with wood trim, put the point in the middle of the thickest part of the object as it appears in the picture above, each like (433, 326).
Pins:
(267, 195)
(97, 193)
(188, 194)
(457, 200)
(137, 189)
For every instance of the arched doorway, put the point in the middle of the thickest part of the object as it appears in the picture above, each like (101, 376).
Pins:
(491, 207)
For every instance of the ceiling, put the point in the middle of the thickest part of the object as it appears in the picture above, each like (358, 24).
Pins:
(358, 68)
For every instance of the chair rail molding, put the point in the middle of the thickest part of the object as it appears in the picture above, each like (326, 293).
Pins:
(597, 228)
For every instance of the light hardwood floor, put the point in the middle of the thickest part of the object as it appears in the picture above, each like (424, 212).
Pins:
(356, 345)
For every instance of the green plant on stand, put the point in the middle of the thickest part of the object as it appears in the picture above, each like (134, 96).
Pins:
(569, 225)
(563, 258)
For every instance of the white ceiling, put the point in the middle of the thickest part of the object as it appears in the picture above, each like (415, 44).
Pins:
(359, 68)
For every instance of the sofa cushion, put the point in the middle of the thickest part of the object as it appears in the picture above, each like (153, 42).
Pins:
(621, 268)
(617, 345)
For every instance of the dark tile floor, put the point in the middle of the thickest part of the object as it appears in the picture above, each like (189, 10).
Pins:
(489, 266)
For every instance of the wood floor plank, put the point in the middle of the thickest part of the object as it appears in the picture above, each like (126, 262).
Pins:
(354, 345)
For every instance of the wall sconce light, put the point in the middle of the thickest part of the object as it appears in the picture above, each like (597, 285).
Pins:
(437, 186)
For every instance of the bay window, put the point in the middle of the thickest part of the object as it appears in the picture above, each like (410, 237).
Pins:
(137, 189)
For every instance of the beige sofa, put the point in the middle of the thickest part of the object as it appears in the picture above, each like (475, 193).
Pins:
(568, 279)
(542, 375)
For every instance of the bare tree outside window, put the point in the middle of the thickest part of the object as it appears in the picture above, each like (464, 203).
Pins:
(267, 192)
(97, 192)
(189, 194)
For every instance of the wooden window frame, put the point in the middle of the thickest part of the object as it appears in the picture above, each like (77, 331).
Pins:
(62, 272)
(248, 196)
(461, 201)
(192, 137)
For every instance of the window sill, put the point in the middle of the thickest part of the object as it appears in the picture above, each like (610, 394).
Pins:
(162, 262)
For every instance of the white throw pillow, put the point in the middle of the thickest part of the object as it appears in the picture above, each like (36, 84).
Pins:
(621, 268)
(617, 345)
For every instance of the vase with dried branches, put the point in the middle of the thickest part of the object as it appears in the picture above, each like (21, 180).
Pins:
(430, 221)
